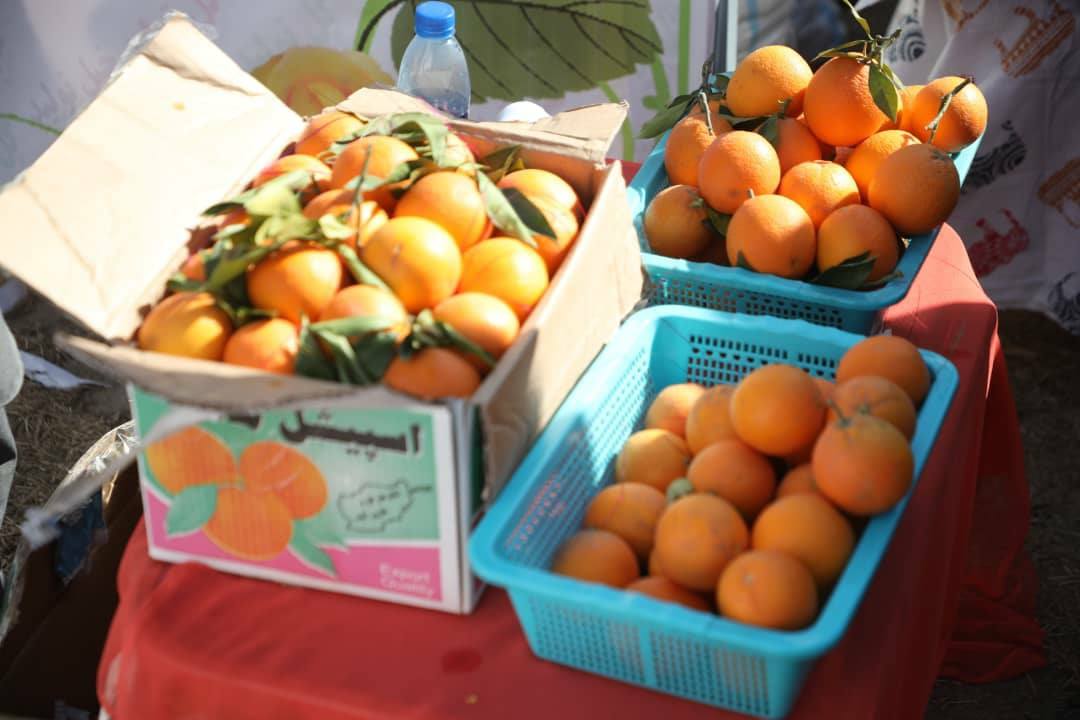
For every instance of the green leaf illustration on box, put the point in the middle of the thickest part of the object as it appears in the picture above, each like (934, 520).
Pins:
(309, 552)
(191, 509)
(539, 49)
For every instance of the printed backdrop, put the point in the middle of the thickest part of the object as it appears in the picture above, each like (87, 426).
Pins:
(1020, 209)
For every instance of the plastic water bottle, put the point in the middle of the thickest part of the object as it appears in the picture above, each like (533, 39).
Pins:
(433, 67)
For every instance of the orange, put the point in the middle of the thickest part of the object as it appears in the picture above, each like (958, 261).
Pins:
(865, 159)
(453, 201)
(686, 143)
(671, 407)
(907, 101)
(777, 410)
(820, 187)
(963, 122)
(808, 528)
(194, 268)
(915, 188)
(660, 588)
(297, 281)
(735, 164)
(766, 77)
(507, 269)
(597, 556)
(320, 173)
(799, 479)
(366, 218)
(249, 524)
(188, 324)
(874, 395)
(368, 301)
(654, 564)
(736, 472)
(826, 387)
(908, 95)
(697, 536)
(534, 182)
(676, 224)
(795, 144)
(324, 129)
(418, 260)
(863, 464)
(270, 466)
(769, 589)
(709, 419)
(774, 235)
(386, 154)
(715, 252)
(838, 106)
(483, 319)
(630, 510)
(365, 301)
(269, 345)
(891, 357)
(188, 457)
(565, 226)
(653, 457)
(433, 373)
(853, 230)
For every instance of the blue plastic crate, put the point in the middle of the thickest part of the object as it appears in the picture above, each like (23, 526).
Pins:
(631, 637)
(682, 282)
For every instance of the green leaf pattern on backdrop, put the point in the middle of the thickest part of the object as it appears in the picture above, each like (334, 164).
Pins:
(558, 46)
(309, 553)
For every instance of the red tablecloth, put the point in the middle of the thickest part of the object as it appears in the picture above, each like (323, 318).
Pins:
(953, 596)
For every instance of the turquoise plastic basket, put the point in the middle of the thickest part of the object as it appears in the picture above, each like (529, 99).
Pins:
(631, 637)
(681, 282)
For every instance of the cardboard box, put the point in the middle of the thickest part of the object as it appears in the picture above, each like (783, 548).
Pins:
(102, 219)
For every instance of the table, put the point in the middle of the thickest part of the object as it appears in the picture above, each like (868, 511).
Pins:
(953, 596)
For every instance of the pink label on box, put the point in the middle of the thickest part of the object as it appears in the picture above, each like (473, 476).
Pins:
(400, 569)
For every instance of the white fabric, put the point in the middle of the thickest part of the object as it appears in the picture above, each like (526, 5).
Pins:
(1020, 211)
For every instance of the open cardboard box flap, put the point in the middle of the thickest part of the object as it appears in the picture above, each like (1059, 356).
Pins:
(102, 219)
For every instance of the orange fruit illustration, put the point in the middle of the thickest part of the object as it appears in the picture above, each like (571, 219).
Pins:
(188, 324)
(769, 589)
(249, 524)
(188, 457)
(630, 510)
(288, 473)
(597, 556)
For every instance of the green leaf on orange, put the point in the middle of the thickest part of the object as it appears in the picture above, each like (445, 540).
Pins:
(851, 274)
(191, 509)
(884, 92)
(502, 213)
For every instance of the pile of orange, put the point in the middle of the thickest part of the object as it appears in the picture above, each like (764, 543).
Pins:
(426, 248)
(819, 177)
(746, 499)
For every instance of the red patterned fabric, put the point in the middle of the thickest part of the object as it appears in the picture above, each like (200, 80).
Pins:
(954, 594)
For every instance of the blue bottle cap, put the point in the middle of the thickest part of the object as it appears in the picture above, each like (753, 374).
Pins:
(435, 20)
